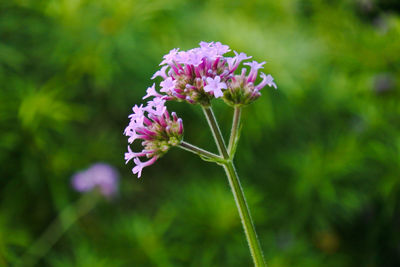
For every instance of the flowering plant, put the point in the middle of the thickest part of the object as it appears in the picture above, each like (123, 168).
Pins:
(198, 76)
(100, 175)
(98, 181)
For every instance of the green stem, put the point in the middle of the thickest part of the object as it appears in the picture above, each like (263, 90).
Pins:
(234, 182)
(245, 216)
(57, 228)
(212, 121)
(234, 138)
(201, 152)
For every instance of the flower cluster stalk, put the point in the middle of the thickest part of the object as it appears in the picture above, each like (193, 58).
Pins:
(201, 152)
(225, 159)
(216, 132)
(234, 182)
(235, 132)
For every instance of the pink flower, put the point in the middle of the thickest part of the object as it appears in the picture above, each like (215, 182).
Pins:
(170, 57)
(267, 80)
(140, 165)
(215, 86)
(191, 75)
(195, 76)
(195, 58)
(100, 175)
(241, 88)
(157, 128)
(156, 106)
(220, 48)
(151, 91)
(168, 85)
(137, 111)
(255, 66)
(160, 73)
(233, 62)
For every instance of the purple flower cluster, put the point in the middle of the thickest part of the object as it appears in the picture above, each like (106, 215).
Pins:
(195, 76)
(99, 175)
(203, 73)
(156, 127)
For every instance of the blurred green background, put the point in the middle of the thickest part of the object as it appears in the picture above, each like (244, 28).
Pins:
(319, 158)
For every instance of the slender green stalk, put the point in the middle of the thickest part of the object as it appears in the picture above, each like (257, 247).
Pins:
(201, 152)
(57, 228)
(245, 216)
(216, 132)
(234, 182)
(235, 131)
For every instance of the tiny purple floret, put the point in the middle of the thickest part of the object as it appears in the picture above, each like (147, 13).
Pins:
(215, 85)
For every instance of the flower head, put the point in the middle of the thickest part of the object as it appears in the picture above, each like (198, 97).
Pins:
(241, 88)
(158, 129)
(200, 74)
(195, 76)
(99, 175)
(185, 73)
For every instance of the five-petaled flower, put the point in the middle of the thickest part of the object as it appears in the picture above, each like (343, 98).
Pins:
(215, 85)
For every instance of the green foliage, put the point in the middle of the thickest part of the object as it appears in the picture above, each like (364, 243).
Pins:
(319, 157)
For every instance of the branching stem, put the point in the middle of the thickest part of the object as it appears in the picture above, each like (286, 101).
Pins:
(234, 182)
(201, 152)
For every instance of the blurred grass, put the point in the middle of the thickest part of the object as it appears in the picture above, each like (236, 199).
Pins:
(319, 157)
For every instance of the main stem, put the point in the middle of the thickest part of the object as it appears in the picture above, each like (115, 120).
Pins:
(238, 194)
(244, 212)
